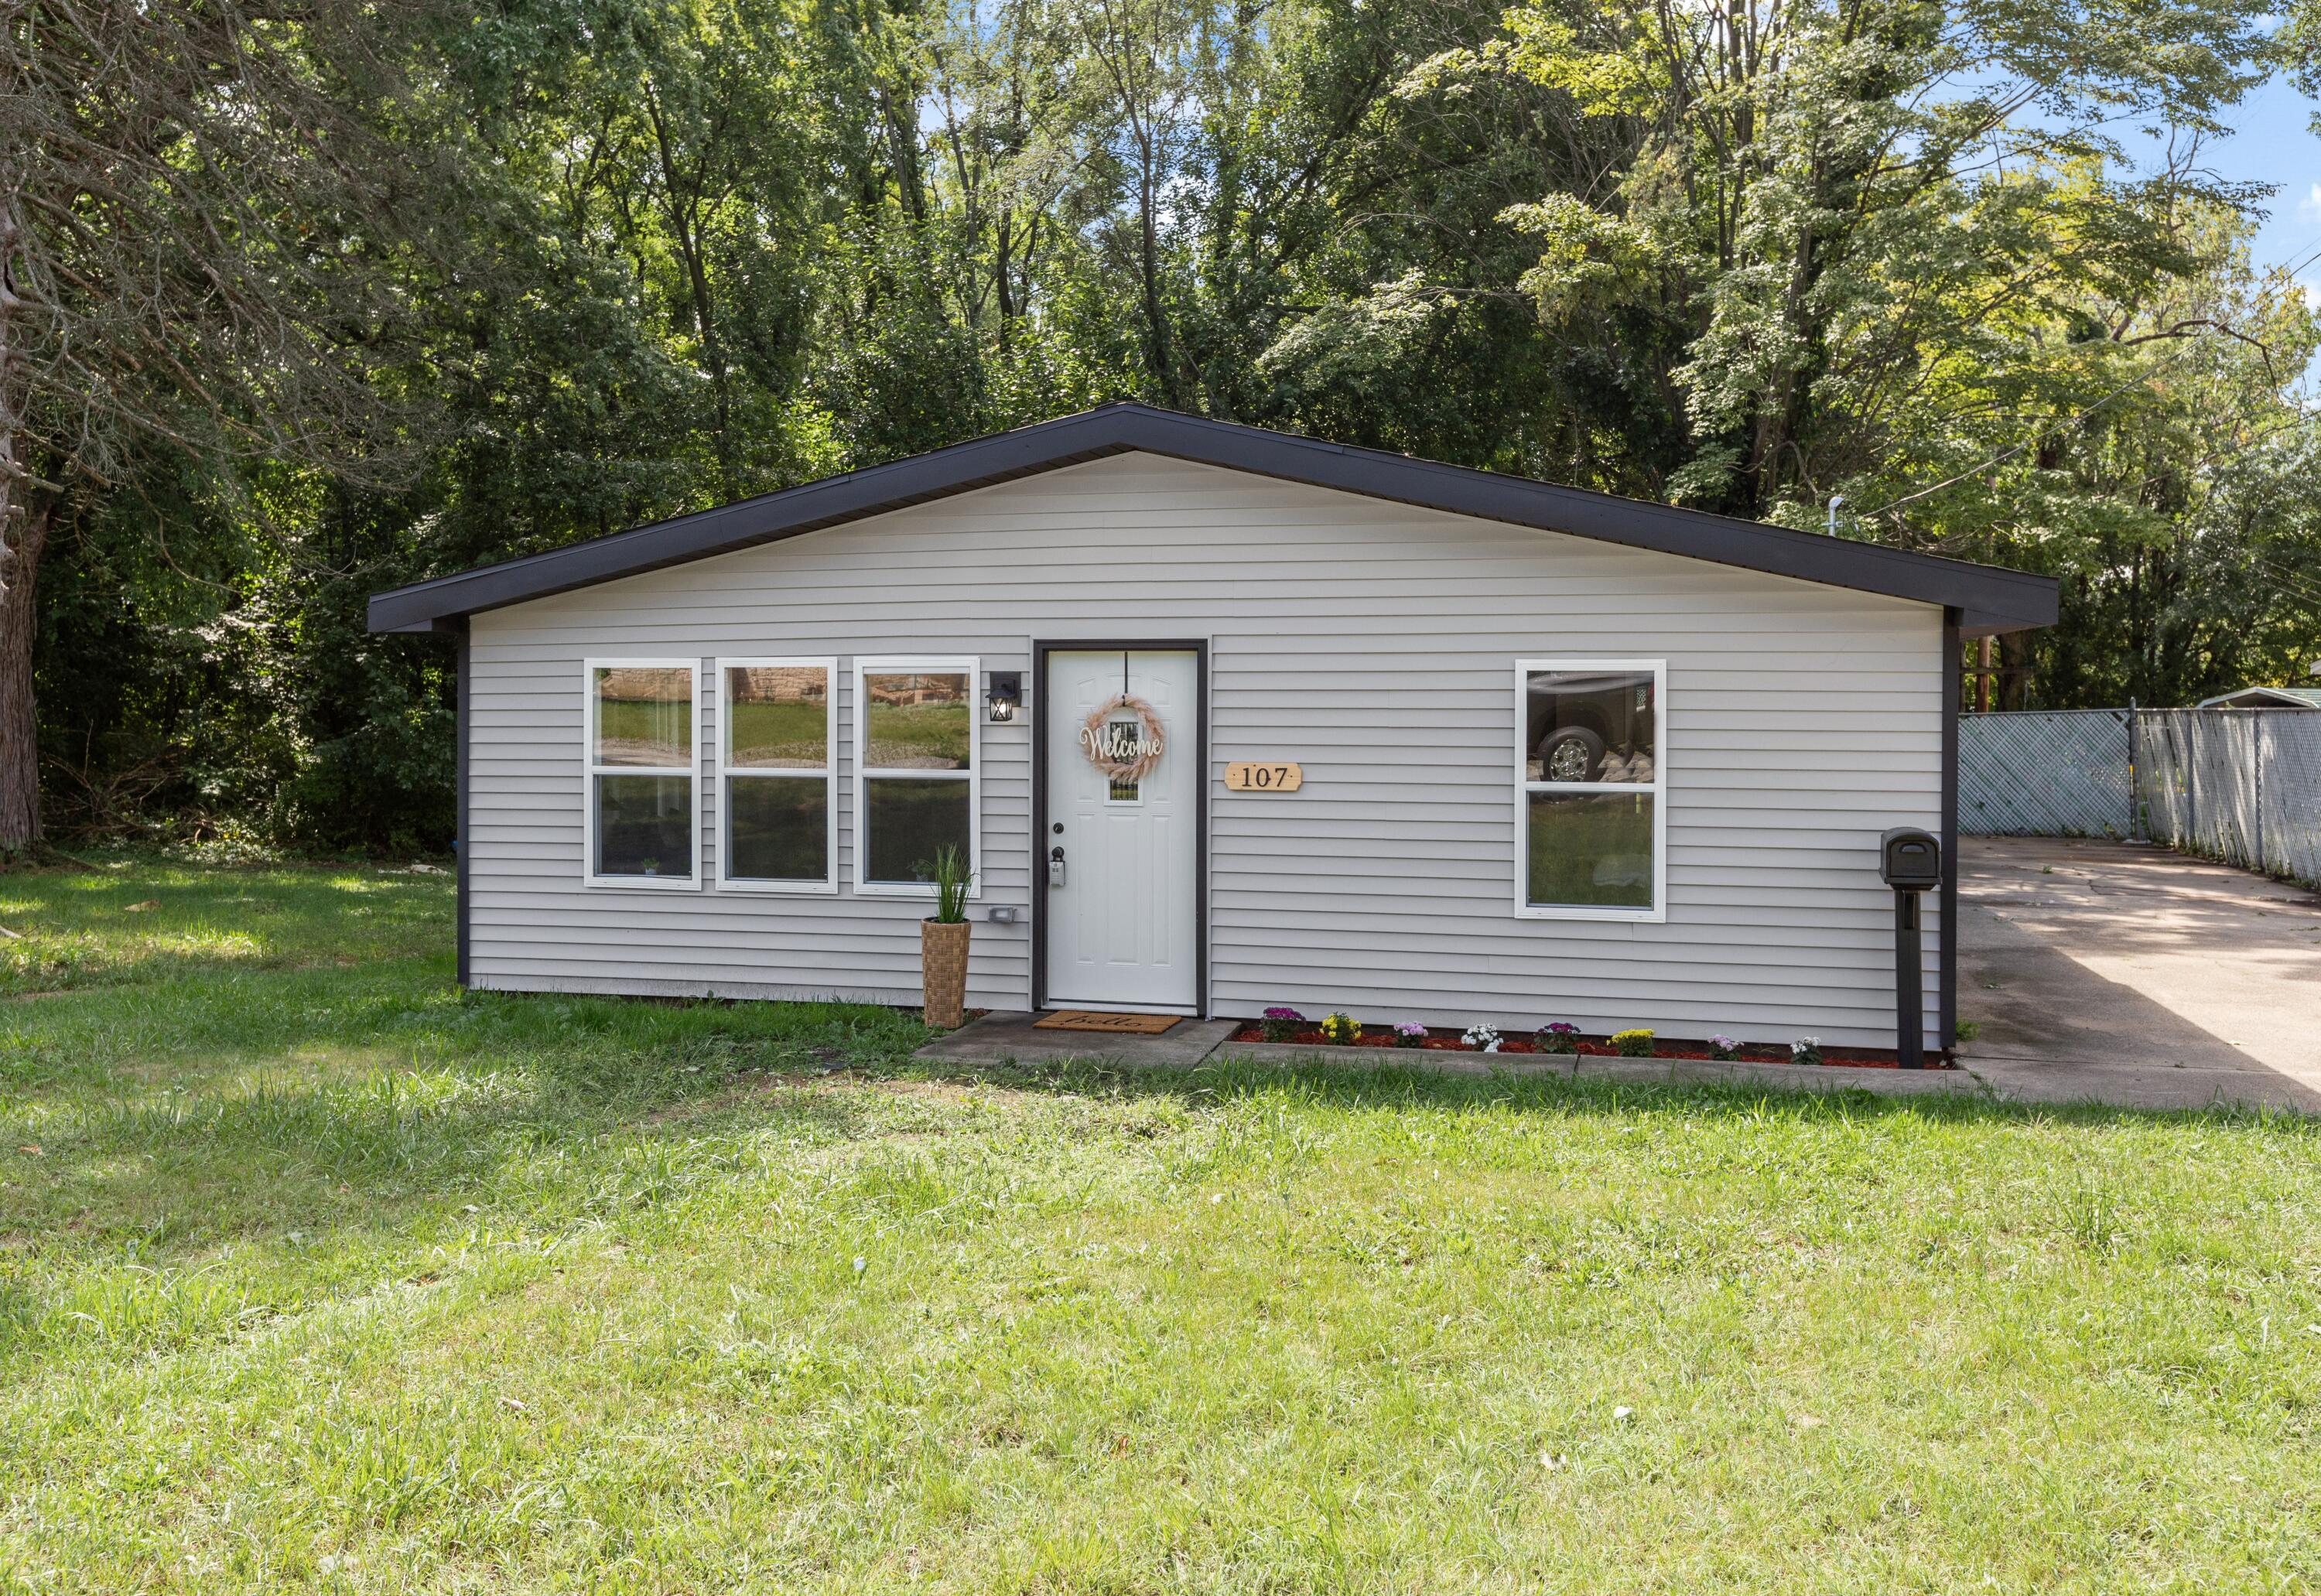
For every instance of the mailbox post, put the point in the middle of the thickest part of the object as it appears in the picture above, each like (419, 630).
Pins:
(1909, 861)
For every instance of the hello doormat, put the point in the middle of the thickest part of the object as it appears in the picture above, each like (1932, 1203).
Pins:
(1118, 1025)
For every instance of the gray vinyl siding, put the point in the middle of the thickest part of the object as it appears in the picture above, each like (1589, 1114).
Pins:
(1374, 644)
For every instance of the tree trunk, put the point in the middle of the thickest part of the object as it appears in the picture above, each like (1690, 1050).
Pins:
(24, 511)
(20, 765)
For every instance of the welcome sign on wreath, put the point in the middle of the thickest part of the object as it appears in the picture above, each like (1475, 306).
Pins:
(1123, 753)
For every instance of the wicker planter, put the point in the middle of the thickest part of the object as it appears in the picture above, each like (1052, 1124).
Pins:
(943, 972)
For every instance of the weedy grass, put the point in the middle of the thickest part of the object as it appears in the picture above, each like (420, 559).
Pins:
(319, 1274)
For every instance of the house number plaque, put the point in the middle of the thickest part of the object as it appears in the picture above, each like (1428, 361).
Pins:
(1264, 775)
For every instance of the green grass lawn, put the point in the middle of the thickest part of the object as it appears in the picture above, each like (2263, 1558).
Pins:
(314, 1272)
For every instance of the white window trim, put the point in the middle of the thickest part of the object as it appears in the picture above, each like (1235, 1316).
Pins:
(590, 769)
(1657, 787)
(971, 666)
(727, 775)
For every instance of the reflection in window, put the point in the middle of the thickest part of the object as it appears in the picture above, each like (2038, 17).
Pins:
(916, 738)
(777, 776)
(1590, 850)
(640, 800)
(644, 716)
(909, 819)
(1592, 786)
(780, 717)
(1585, 726)
(916, 720)
(777, 830)
(644, 826)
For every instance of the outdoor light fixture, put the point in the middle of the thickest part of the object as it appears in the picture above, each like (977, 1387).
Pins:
(1005, 699)
(1909, 861)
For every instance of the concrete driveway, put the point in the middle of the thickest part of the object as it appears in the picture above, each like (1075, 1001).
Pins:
(2133, 975)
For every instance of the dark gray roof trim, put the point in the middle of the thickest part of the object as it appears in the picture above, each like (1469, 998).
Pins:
(1989, 599)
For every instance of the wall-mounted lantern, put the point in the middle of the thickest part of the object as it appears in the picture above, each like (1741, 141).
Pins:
(1005, 702)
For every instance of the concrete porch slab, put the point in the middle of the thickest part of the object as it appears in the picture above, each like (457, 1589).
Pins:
(1008, 1036)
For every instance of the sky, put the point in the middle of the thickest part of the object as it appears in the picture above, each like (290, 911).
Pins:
(2271, 143)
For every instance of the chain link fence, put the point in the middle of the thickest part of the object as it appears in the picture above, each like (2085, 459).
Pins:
(2240, 786)
(2046, 773)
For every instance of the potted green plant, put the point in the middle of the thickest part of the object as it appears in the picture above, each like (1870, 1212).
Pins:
(942, 942)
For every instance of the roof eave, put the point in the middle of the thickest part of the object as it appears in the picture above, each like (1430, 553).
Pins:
(1990, 599)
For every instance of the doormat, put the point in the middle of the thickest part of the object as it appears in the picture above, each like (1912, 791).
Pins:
(1119, 1024)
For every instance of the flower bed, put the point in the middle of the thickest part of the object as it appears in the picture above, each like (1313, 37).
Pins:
(1514, 1041)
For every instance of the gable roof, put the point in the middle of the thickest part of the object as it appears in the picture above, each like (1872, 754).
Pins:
(1990, 599)
(2265, 698)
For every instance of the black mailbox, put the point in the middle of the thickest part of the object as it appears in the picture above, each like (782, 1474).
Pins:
(1910, 860)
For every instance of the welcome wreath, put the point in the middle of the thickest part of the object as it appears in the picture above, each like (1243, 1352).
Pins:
(1121, 759)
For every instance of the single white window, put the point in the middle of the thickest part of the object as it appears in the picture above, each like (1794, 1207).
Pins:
(1591, 783)
(642, 726)
(778, 775)
(918, 781)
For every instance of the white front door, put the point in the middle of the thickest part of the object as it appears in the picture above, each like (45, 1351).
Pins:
(1121, 925)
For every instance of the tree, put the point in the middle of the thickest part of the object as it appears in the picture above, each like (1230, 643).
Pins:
(201, 229)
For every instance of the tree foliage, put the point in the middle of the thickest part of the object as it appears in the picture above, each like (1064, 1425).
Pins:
(603, 260)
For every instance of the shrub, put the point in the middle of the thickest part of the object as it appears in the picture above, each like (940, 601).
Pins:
(1558, 1035)
(1806, 1050)
(1279, 1025)
(1721, 1046)
(1482, 1038)
(1410, 1033)
(1340, 1030)
(1633, 1043)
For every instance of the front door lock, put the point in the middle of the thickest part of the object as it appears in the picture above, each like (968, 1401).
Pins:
(1056, 865)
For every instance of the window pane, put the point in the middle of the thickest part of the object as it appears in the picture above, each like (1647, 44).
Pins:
(778, 829)
(908, 821)
(1589, 726)
(644, 826)
(1590, 850)
(644, 716)
(780, 716)
(918, 720)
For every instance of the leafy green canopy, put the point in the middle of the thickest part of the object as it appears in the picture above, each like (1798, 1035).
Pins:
(1755, 258)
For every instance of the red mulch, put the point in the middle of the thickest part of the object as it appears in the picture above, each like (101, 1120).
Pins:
(1445, 1041)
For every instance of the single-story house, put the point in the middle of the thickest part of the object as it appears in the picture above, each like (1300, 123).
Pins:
(2265, 698)
(1222, 718)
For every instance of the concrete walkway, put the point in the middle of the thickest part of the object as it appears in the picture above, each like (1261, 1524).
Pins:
(2132, 975)
(1007, 1036)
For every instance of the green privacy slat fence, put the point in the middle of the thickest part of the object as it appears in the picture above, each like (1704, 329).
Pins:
(2046, 773)
(2241, 786)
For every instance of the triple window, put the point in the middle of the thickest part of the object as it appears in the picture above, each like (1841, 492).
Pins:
(917, 773)
(1591, 819)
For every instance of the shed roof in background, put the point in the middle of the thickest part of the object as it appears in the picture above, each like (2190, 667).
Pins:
(2265, 698)
(1990, 599)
